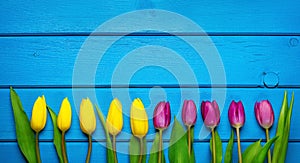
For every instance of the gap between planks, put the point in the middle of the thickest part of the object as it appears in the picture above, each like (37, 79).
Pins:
(148, 140)
(150, 33)
(146, 86)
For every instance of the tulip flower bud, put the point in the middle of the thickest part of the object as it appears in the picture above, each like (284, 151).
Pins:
(39, 114)
(210, 113)
(64, 116)
(114, 121)
(138, 119)
(162, 115)
(189, 113)
(236, 114)
(87, 117)
(264, 113)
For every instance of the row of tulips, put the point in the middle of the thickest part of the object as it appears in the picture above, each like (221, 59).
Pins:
(139, 126)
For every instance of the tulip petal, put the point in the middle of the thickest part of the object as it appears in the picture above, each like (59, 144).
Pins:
(87, 117)
(39, 114)
(210, 113)
(114, 121)
(162, 115)
(189, 113)
(138, 118)
(64, 115)
(236, 114)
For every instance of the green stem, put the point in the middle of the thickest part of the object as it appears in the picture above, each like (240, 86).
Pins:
(213, 145)
(239, 144)
(88, 156)
(63, 147)
(141, 150)
(189, 140)
(37, 148)
(269, 151)
(114, 148)
(160, 146)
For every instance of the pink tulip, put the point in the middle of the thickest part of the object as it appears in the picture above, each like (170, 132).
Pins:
(264, 113)
(210, 113)
(162, 115)
(189, 113)
(236, 114)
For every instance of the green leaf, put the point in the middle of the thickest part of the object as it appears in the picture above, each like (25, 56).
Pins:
(178, 151)
(24, 133)
(262, 153)
(154, 151)
(228, 154)
(135, 149)
(109, 150)
(251, 151)
(218, 147)
(57, 138)
(277, 151)
(285, 138)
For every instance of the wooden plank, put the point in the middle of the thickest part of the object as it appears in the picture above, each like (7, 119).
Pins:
(77, 152)
(31, 61)
(243, 16)
(251, 131)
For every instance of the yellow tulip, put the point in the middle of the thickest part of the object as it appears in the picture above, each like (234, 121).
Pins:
(114, 121)
(87, 117)
(138, 119)
(64, 115)
(39, 114)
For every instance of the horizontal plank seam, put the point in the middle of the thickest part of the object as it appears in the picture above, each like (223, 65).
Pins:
(146, 86)
(148, 140)
(149, 34)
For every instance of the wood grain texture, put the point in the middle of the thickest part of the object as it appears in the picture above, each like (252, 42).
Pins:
(230, 16)
(258, 43)
(150, 97)
(247, 61)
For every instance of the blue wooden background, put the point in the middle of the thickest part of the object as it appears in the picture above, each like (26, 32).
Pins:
(258, 42)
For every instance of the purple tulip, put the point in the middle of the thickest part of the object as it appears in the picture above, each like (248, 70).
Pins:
(264, 113)
(162, 115)
(189, 113)
(210, 113)
(236, 114)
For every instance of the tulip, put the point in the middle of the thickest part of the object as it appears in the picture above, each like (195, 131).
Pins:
(161, 120)
(39, 114)
(139, 123)
(64, 116)
(38, 121)
(189, 117)
(114, 121)
(87, 117)
(63, 123)
(210, 113)
(162, 115)
(87, 122)
(189, 113)
(265, 116)
(211, 116)
(236, 115)
(138, 119)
